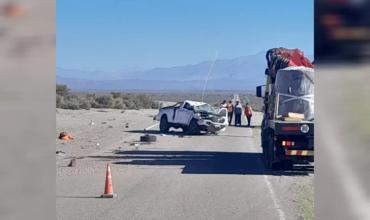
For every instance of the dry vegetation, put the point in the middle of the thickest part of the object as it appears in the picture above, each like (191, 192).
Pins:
(211, 97)
(144, 100)
(116, 100)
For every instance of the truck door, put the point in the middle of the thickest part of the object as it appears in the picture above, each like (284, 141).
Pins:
(172, 112)
(184, 114)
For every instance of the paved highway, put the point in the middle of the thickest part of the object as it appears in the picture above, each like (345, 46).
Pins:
(182, 177)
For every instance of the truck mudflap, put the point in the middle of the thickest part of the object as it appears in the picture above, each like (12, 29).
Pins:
(299, 152)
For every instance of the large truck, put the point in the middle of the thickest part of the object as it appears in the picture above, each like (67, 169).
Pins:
(287, 128)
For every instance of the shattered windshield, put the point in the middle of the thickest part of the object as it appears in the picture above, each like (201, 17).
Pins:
(295, 93)
(205, 108)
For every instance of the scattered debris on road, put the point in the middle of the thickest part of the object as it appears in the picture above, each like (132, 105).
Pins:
(72, 163)
(65, 136)
(59, 152)
(148, 138)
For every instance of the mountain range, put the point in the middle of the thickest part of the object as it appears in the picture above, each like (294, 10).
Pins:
(241, 73)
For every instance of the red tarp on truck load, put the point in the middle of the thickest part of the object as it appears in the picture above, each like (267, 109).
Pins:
(279, 58)
(295, 57)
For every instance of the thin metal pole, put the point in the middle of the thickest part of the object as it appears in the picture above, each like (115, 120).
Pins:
(208, 74)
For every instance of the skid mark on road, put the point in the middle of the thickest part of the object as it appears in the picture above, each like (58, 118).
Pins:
(272, 193)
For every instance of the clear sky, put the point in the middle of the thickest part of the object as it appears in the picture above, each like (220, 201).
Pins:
(113, 35)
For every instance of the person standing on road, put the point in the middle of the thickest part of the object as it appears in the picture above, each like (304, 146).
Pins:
(230, 111)
(248, 113)
(238, 113)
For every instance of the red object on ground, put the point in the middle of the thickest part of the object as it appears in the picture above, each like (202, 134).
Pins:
(67, 138)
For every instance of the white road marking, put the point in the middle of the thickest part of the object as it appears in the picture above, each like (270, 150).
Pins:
(151, 126)
(275, 200)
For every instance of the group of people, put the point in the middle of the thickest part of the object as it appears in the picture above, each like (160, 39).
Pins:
(237, 112)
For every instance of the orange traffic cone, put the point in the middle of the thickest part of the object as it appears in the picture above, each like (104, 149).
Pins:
(108, 192)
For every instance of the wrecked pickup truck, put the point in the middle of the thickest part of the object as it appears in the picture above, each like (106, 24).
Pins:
(192, 117)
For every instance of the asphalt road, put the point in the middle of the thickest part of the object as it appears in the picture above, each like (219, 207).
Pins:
(181, 177)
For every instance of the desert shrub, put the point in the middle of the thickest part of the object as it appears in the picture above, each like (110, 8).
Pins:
(90, 98)
(85, 104)
(129, 104)
(59, 100)
(62, 90)
(118, 103)
(143, 101)
(71, 102)
(68, 100)
(104, 101)
(156, 105)
(116, 95)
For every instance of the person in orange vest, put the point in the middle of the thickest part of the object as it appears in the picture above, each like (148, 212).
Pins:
(248, 113)
(230, 111)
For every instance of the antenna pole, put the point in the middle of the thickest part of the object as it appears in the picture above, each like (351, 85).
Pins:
(208, 74)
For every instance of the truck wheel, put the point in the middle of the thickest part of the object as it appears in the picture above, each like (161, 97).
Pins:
(185, 129)
(163, 124)
(287, 164)
(193, 127)
(264, 142)
(270, 156)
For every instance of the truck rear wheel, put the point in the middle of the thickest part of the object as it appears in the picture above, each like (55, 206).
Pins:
(264, 142)
(163, 124)
(287, 164)
(271, 163)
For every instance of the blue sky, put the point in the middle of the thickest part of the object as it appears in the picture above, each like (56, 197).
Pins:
(113, 35)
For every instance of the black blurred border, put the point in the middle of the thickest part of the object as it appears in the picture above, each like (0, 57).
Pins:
(342, 55)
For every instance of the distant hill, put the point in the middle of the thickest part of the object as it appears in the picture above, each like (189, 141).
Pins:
(242, 73)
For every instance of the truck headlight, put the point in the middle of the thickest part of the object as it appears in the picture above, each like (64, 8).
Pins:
(305, 128)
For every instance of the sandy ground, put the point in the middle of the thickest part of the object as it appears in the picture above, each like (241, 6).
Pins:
(177, 177)
(98, 130)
